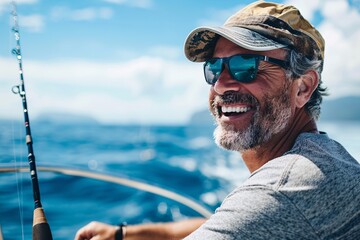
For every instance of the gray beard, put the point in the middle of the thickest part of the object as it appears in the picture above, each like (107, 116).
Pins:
(264, 125)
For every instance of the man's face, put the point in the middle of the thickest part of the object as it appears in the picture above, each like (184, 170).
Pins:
(249, 114)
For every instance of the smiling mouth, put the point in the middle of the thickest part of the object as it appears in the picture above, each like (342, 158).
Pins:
(234, 104)
(233, 110)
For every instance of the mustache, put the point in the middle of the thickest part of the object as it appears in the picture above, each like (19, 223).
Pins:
(234, 97)
(231, 97)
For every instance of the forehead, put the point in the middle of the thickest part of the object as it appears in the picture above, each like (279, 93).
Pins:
(225, 48)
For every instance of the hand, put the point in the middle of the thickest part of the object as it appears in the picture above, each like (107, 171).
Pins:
(96, 231)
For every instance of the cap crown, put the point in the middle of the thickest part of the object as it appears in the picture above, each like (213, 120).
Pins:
(283, 23)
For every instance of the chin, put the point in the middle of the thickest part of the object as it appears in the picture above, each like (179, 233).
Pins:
(231, 139)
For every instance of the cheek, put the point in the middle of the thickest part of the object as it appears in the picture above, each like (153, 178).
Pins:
(212, 95)
(271, 78)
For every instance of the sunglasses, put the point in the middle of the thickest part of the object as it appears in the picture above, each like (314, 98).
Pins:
(242, 67)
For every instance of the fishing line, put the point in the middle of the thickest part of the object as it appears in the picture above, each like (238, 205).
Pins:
(19, 183)
(16, 134)
(19, 186)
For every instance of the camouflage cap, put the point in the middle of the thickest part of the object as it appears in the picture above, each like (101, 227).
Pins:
(260, 26)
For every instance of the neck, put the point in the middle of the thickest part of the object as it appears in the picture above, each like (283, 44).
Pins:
(279, 144)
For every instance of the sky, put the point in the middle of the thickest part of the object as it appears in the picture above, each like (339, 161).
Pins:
(122, 61)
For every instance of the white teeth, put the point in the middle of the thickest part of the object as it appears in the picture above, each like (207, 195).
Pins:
(225, 109)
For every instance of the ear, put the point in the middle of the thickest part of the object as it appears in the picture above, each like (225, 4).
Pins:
(306, 85)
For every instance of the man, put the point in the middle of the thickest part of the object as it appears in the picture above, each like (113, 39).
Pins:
(264, 67)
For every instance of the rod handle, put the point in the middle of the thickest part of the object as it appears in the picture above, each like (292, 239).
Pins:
(41, 228)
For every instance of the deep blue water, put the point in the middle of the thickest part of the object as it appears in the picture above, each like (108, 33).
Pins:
(182, 159)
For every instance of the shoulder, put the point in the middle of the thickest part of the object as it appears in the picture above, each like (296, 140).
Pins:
(315, 166)
(314, 160)
(318, 147)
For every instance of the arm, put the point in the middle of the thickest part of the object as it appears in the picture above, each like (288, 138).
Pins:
(172, 230)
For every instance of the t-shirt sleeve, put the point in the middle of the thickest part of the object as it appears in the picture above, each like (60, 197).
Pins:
(255, 212)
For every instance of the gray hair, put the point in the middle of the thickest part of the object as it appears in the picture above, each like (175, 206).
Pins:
(299, 65)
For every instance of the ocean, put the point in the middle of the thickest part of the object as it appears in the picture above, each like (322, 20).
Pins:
(180, 159)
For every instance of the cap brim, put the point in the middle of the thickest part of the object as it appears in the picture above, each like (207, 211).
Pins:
(200, 43)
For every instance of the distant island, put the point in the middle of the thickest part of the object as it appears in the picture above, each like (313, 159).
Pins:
(340, 109)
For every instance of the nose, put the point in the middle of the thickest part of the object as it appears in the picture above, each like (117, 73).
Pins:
(226, 83)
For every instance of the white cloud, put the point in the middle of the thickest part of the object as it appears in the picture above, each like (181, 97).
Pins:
(26, 1)
(32, 23)
(84, 14)
(6, 6)
(3, 6)
(339, 27)
(144, 90)
(105, 13)
(342, 43)
(307, 8)
(91, 13)
(133, 3)
(219, 16)
(165, 51)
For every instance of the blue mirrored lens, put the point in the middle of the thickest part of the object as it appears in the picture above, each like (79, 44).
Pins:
(213, 69)
(242, 68)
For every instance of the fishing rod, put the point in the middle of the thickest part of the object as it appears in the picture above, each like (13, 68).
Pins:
(41, 229)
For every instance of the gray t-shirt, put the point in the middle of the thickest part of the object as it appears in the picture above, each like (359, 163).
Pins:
(311, 192)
